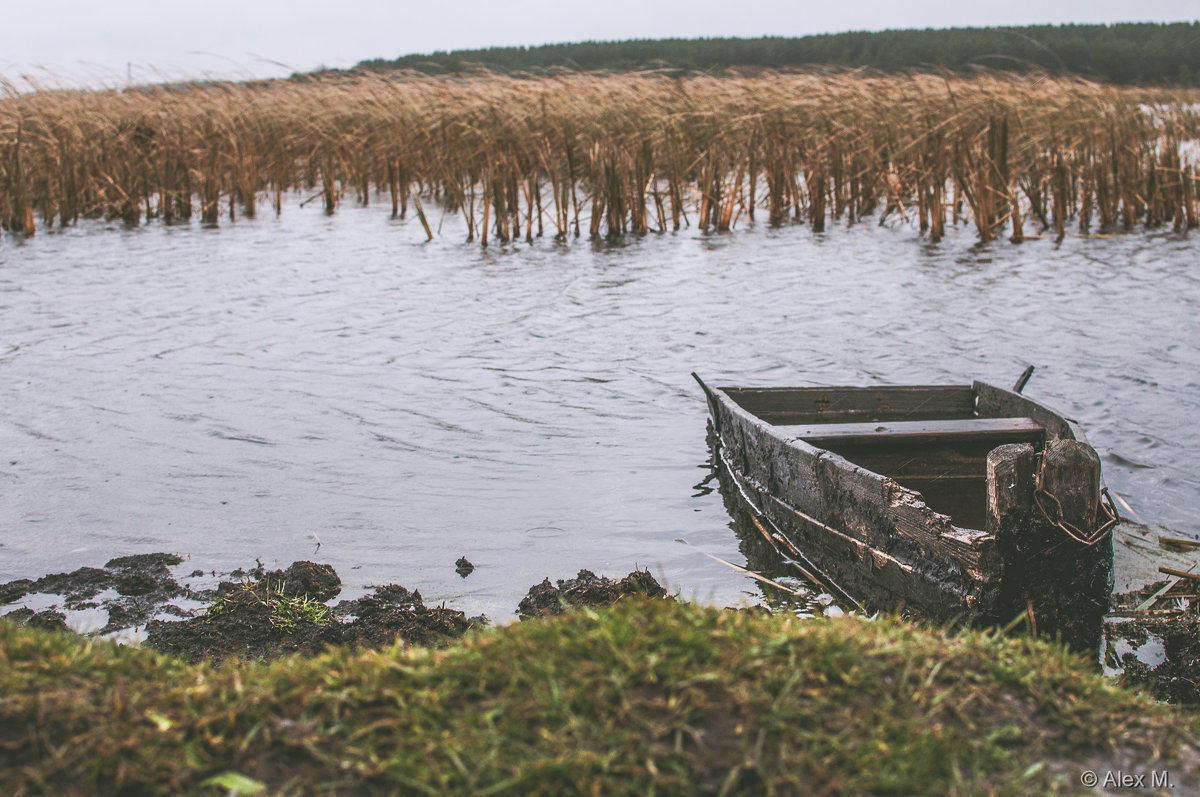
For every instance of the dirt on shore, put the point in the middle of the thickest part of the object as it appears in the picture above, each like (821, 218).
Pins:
(287, 612)
(586, 589)
(136, 589)
(1153, 638)
(261, 614)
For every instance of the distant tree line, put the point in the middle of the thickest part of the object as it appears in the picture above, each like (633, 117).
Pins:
(1135, 53)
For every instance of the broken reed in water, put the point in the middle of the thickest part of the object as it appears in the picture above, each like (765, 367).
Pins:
(587, 154)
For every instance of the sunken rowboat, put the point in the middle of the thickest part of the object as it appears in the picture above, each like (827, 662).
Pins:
(956, 503)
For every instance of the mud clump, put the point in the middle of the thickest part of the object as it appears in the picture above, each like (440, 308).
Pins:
(393, 610)
(47, 619)
(145, 574)
(134, 584)
(1176, 679)
(284, 613)
(143, 585)
(249, 623)
(13, 591)
(307, 579)
(156, 562)
(77, 586)
(586, 589)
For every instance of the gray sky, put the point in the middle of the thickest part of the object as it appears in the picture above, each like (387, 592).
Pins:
(102, 41)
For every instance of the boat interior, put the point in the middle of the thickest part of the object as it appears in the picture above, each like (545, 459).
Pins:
(930, 439)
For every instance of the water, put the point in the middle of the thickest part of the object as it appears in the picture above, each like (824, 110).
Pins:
(333, 388)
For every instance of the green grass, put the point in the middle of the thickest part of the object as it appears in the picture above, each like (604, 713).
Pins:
(643, 698)
(285, 610)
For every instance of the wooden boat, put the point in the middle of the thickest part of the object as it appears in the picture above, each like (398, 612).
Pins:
(959, 503)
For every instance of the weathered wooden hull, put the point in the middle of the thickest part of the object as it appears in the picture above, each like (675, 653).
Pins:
(853, 505)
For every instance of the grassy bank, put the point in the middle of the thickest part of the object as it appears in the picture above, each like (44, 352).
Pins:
(647, 697)
(585, 155)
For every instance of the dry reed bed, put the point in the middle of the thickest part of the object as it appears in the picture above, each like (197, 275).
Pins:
(607, 155)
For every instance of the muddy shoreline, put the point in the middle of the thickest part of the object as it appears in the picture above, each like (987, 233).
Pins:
(259, 614)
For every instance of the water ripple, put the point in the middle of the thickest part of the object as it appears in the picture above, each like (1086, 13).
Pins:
(228, 393)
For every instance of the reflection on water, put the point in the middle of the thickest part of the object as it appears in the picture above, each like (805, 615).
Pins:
(248, 391)
(785, 583)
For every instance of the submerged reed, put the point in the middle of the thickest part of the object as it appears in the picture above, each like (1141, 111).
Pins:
(524, 157)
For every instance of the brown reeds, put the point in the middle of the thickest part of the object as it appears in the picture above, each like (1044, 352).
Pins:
(613, 155)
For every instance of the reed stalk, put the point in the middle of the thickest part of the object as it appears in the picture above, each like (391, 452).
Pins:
(640, 151)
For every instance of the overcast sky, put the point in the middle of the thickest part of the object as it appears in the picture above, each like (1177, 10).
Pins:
(104, 41)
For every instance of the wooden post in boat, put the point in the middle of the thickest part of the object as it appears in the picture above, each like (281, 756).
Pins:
(1042, 511)
(1010, 479)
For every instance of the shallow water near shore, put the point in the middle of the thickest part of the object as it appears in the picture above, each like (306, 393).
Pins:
(334, 389)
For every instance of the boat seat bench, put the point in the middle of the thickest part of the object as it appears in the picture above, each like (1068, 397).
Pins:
(968, 430)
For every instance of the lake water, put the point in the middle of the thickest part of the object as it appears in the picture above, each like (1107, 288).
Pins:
(259, 389)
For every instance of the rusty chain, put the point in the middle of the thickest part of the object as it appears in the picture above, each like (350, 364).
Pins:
(1095, 537)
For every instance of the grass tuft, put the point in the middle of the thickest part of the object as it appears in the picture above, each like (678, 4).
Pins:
(284, 611)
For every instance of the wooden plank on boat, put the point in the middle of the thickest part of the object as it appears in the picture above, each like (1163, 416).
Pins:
(963, 498)
(888, 574)
(858, 568)
(878, 509)
(920, 462)
(996, 402)
(790, 405)
(822, 484)
(923, 432)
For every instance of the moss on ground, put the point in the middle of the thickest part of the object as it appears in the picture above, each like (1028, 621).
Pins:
(645, 697)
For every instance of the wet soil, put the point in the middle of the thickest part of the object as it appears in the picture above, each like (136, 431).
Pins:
(246, 622)
(586, 589)
(47, 618)
(263, 614)
(301, 579)
(1177, 678)
(1157, 648)
(143, 585)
